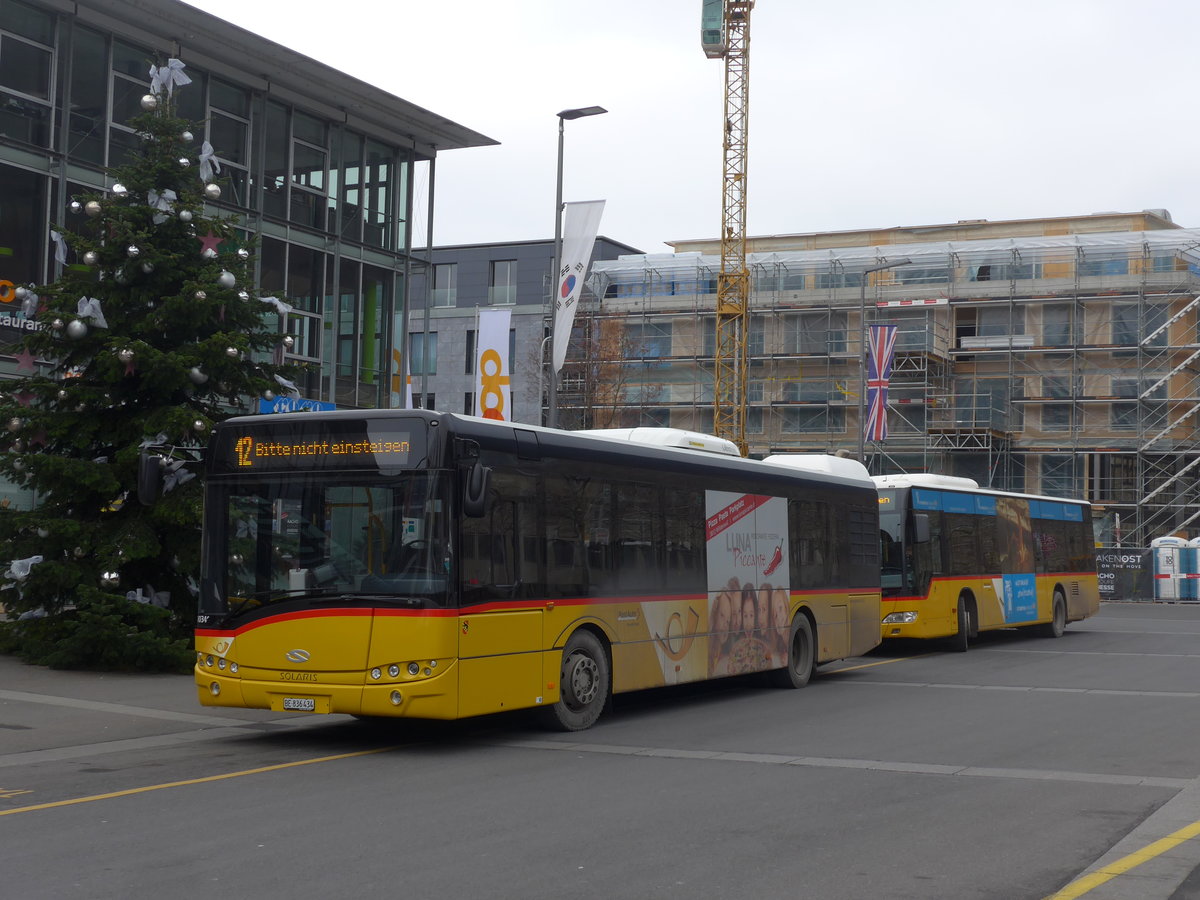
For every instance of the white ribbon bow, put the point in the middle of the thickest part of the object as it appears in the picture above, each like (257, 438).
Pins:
(175, 474)
(89, 308)
(150, 595)
(161, 202)
(208, 162)
(30, 304)
(19, 568)
(289, 386)
(283, 308)
(60, 246)
(166, 77)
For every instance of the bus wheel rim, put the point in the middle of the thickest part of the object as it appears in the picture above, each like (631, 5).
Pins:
(583, 678)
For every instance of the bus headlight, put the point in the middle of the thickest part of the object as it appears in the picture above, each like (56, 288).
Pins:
(233, 667)
(396, 698)
(900, 618)
(215, 689)
(394, 670)
(413, 668)
(376, 674)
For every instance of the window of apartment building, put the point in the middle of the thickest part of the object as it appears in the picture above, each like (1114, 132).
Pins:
(813, 420)
(469, 403)
(1059, 478)
(756, 342)
(815, 333)
(422, 353)
(445, 284)
(1004, 271)
(1059, 325)
(922, 274)
(754, 420)
(913, 330)
(472, 352)
(906, 419)
(1056, 417)
(754, 392)
(502, 281)
(361, 186)
(837, 279)
(1059, 386)
(648, 340)
(1131, 323)
(1095, 265)
(807, 390)
(308, 171)
(26, 73)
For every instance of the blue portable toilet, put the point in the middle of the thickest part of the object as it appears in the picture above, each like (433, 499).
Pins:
(1166, 553)
(1189, 571)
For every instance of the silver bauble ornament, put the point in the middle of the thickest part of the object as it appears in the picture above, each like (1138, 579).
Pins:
(18, 465)
(289, 341)
(92, 208)
(233, 352)
(121, 277)
(212, 191)
(200, 295)
(15, 424)
(208, 253)
(21, 292)
(76, 329)
(243, 253)
(268, 396)
(132, 251)
(226, 279)
(119, 190)
(199, 426)
(185, 215)
(18, 446)
(56, 325)
(91, 257)
(76, 207)
(80, 553)
(125, 355)
(43, 532)
(197, 375)
(187, 137)
(243, 295)
(149, 101)
(184, 162)
(62, 395)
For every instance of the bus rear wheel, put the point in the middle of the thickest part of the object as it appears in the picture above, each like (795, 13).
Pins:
(584, 681)
(801, 656)
(1058, 617)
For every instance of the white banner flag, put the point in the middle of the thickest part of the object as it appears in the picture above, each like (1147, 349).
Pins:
(581, 221)
(493, 395)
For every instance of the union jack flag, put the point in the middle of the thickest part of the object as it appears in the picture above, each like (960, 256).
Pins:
(881, 348)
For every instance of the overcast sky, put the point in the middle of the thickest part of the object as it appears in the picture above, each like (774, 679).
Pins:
(863, 113)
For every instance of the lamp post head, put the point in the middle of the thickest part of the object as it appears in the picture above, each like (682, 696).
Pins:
(581, 112)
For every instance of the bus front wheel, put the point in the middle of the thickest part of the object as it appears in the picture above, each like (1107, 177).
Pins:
(962, 639)
(801, 656)
(584, 682)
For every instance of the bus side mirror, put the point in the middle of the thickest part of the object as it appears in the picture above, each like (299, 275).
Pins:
(920, 528)
(476, 481)
(149, 477)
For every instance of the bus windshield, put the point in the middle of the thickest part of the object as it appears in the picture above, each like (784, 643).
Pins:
(895, 562)
(299, 538)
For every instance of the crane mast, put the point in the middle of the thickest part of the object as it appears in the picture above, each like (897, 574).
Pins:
(730, 364)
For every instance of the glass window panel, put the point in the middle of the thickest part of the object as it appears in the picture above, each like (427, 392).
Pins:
(275, 161)
(445, 284)
(307, 332)
(20, 235)
(352, 177)
(229, 98)
(35, 24)
(228, 137)
(306, 268)
(89, 96)
(24, 68)
(24, 120)
(272, 266)
(189, 102)
(122, 147)
(308, 166)
(132, 61)
(307, 209)
(371, 363)
(127, 99)
(308, 128)
(378, 186)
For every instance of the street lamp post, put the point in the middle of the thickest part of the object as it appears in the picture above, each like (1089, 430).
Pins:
(862, 361)
(555, 275)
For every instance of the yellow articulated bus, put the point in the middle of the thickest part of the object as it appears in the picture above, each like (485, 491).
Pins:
(429, 565)
(957, 559)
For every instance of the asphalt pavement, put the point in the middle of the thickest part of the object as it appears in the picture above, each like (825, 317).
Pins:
(47, 716)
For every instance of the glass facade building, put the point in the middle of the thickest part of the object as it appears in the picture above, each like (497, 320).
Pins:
(316, 165)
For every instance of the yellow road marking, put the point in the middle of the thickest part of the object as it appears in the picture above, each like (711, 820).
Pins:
(1082, 885)
(882, 662)
(5, 793)
(208, 778)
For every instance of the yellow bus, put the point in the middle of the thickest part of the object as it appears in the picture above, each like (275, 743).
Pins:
(429, 565)
(958, 559)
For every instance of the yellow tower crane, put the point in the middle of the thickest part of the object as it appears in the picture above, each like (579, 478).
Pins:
(725, 34)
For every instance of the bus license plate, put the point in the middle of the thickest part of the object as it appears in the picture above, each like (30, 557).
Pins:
(300, 704)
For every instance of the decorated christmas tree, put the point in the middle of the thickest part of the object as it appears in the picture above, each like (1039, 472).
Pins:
(152, 334)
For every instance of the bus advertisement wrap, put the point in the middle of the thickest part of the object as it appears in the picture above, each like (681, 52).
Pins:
(748, 575)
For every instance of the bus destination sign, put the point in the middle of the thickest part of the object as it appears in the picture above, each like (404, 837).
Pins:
(317, 445)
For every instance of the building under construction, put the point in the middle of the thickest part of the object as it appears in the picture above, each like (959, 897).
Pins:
(1057, 356)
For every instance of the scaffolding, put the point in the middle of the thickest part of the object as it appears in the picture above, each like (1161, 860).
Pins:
(1066, 365)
